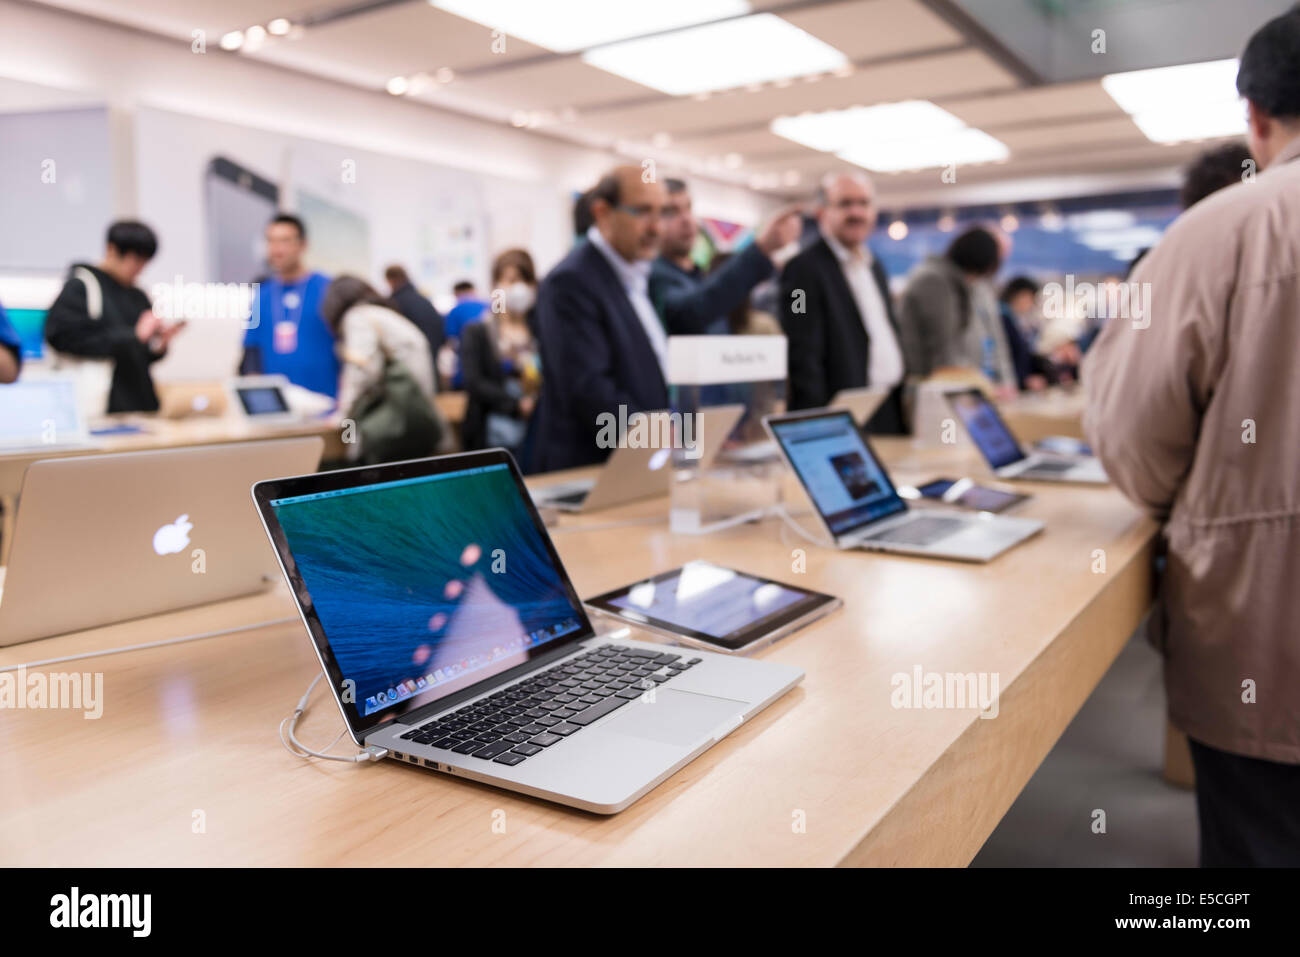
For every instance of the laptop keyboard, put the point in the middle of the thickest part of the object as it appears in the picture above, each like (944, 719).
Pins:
(524, 719)
(920, 531)
(1048, 468)
(569, 498)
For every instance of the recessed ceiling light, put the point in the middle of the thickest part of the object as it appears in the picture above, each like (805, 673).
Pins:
(959, 148)
(232, 40)
(398, 85)
(253, 38)
(838, 129)
(568, 25)
(1175, 103)
(897, 230)
(279, 27)
(913, 134)
(718, 56)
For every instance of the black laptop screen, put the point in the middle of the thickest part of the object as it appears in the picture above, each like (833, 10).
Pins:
(426, 584)
(845, 481)
(986, 428)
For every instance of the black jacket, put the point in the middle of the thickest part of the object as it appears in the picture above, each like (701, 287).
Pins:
(69, 328)
(828, 345)
(595, 357)
(421, 311)
(484, 381)
(699, 300)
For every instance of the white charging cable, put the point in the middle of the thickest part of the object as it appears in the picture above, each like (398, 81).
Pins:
(791, 522)
(300, 750)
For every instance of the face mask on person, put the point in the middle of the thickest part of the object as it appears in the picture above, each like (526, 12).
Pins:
(519, 298)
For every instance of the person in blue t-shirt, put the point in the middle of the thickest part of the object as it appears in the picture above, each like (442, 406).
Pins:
(11, 349)
(287, 335)
(469, 308)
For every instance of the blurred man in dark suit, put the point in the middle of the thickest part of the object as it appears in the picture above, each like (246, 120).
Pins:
(603, 345)
(836, 308)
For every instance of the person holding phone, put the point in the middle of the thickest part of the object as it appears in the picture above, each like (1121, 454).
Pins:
(101, 314)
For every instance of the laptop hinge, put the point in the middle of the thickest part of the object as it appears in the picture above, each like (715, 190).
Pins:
(464, 694)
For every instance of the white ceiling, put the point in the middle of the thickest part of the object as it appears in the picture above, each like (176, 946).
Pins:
(900, 49)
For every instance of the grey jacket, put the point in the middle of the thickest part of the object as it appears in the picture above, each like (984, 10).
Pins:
(939, 326)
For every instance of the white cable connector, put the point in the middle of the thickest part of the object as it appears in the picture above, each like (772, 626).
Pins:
(291, 742)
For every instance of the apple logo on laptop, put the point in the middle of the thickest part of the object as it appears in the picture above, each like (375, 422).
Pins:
(172, 538)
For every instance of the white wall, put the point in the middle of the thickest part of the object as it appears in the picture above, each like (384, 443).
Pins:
(129, 71)
(55, 178)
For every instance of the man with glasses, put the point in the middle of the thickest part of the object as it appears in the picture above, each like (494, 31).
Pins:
(602, 343)
(836, 308)
(683, 295)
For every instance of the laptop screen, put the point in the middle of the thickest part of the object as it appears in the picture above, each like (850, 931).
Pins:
(845, 481)
(986, 428)
(39, 411)
(262, 400)
(426, 584)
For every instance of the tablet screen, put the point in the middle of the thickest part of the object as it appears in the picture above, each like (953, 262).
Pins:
(715, 604)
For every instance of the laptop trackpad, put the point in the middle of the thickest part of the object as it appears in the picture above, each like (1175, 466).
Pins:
(676, 717)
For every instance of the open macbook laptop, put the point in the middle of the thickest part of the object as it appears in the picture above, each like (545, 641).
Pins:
(105, 538)
(41, 411)
(1005, 456)
(857, 503)
(631, 474)
(452, 637)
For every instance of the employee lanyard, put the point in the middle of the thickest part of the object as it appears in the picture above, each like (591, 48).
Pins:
(302, 301)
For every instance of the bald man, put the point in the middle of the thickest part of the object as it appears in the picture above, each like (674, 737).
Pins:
(836, 308)
(603, 345)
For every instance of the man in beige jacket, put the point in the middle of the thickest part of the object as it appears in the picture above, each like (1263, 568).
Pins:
(1195, 412)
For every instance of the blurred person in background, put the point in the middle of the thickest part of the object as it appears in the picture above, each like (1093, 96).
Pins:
(1195, 413)
(688, 298)
(386, 383)
(744, 319)
(1213, 170)
(469, 308)
(1021, 323)
(945, 324)
(499, 360)
(836, 309)
(11, 349)
(289, 337)
(101, 314)
(603, 345)
(417, 308)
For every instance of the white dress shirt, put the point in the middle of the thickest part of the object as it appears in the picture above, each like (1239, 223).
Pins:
(884, 357)
(635, 280)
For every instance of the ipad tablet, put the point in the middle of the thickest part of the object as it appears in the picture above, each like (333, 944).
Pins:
(713, 607)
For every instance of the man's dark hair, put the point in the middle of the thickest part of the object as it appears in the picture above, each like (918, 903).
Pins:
(1269, 75)
(293, 221)
(1212, 171)
(1016, 285)
(132, 237)
(610, 189)
(674, 185)
(582, 218)
(396, 276)
(975, 251)
(463, 286)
